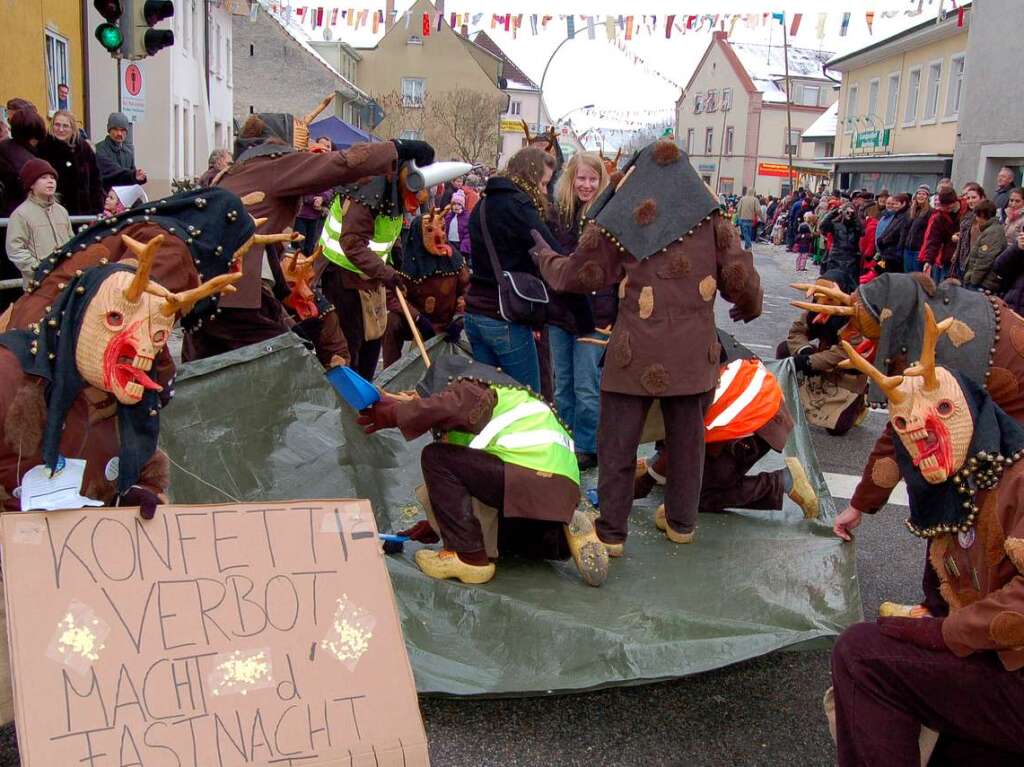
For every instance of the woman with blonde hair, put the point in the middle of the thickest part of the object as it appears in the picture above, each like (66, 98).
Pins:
(572, 318)
(513, 204)
(78, 176)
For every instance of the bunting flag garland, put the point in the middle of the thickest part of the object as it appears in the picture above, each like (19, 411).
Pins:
(669, 21)
(570, 26)
(796, 24)
(629, 27)
(426, 25)
(960, 17)
(822, 20)
(591, 32)
(869, 17)
(779, 17)
(845, 25)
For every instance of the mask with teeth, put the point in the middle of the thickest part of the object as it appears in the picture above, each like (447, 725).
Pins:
(435, 239)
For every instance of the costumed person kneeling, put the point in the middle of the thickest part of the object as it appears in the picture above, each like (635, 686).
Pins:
(661, 236)
(500, 444)
(747, 419)
(959, 672)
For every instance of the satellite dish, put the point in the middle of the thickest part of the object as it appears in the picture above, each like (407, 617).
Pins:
(327, 34)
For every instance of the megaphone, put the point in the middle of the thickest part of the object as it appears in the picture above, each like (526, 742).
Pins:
(417, 179)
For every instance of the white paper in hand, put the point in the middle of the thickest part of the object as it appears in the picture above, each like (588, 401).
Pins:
(40, 491)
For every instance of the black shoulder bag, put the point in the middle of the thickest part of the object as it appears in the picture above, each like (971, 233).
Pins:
(522, 297)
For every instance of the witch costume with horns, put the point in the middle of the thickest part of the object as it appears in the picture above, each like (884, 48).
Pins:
(957, 670)
(660, 235)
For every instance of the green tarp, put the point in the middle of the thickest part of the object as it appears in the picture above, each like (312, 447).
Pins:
(262, 423)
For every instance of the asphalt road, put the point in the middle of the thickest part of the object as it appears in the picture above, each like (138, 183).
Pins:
(762, 712)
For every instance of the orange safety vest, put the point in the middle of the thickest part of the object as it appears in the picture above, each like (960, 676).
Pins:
(747, 398)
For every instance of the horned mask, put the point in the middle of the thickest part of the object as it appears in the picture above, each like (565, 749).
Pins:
(829, 300)
(927, 407)
(129, 321)
(435, 239)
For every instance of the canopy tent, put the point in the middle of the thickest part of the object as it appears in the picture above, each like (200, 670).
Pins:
(341, 134)
(753, 583)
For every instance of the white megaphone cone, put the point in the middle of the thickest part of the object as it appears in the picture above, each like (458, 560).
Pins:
(436, 173)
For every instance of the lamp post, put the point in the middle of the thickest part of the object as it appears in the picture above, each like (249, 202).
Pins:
(577, 109)
(543, 76)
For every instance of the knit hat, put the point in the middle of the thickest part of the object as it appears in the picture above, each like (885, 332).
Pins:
(117, 120)
(33, 170)
(927, 189)
(460, 198)
(947, 196)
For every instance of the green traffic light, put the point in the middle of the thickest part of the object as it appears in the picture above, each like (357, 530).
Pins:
(110, 37)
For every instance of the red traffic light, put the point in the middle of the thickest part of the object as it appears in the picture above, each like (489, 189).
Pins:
(155, 11)
(110, 10)
(156, 39)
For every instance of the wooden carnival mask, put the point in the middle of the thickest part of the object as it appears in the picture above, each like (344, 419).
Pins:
(831, 301)
(129, 320)
(927, 407)
(435, 239)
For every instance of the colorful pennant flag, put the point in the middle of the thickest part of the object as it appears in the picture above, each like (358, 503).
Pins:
(822, 20)
(570, 25)
(844, 27)
(426, 25)
(796, 23)
(629, 27)
(669, 21)
(869, 17)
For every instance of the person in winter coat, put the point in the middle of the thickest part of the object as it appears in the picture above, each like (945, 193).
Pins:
(972, 195)
(867, 244)
(572, 319)
(78, 176)
(514, 202)
(939, 245)
(40, 224)
(804, 241)
(987, 245)
(456, 224)
(918, 215)
(845, 230)
(27, 130)
(1013, 218)
(1010, 268)
(891, 233)
(115, 156)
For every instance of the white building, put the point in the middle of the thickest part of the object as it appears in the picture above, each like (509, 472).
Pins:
(732, 116)
(187, 89)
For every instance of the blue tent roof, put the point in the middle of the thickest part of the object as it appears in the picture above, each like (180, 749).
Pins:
(338, 131)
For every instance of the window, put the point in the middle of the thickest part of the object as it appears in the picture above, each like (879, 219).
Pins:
(711, 102)
(726, 185)
(689, 141)
(913, 91)
(414, 40)
(709, 140)
(851, 108)
(56, 72)
(515, 107)
(227, 59)
(730, 134)
(413, 91)
(892, 100)
(186, 141)
(793, 144)
(956, 86)
(931, 96)
(252, 49)
(809, 95)
(411, 135)
(177, 140)
(726, 99)
(698, 103)
(873, 87)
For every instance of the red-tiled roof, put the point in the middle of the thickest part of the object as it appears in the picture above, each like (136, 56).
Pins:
(513, 74)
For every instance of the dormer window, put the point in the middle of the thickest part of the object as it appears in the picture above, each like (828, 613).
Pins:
(414, 40)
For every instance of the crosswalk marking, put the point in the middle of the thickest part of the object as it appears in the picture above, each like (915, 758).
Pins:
(843, 485)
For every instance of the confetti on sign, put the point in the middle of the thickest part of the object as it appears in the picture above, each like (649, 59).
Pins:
(350, 634)
(241, 671)
(79, 638)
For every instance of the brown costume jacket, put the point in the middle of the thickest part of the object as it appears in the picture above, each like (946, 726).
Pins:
(467, 406)
(664, 343)
(1005, 385)
(356, 233)
(984, 584)
(90, 434)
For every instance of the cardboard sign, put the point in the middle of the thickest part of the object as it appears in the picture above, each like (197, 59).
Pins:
(210, 636)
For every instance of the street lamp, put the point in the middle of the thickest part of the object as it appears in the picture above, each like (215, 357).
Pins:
(577, 109)
(543, 77)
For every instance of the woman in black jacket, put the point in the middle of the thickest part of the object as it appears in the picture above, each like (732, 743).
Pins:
(846, 230)
(514, 204)
(78, 177)
(889, 244)
(1010, 268)
(919, 213)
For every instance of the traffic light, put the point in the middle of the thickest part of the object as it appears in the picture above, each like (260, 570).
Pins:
(109, 33)
(146, 41)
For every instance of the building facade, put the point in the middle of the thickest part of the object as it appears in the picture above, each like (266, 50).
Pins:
(992, 137)
(440, 87)
(899, 107)
(188, 94)
(278, 70)
(732, 116)
(525, 102)
(43, 43)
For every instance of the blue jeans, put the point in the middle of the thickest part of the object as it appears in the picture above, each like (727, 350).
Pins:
(577, 385)
(504, 345)
(910, 263)
(747, 230)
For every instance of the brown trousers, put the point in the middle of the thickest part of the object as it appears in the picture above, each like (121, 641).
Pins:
(455, 475)
(618, 437)
(363, 354)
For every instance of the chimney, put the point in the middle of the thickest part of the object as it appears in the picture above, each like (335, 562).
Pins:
(389, 15)
(720, 34)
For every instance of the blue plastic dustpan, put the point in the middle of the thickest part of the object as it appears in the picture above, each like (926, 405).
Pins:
(354, 389)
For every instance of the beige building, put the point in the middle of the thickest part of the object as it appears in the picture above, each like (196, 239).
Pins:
(525, 102)
(732, 118)
(439, 87)
(899, 107)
